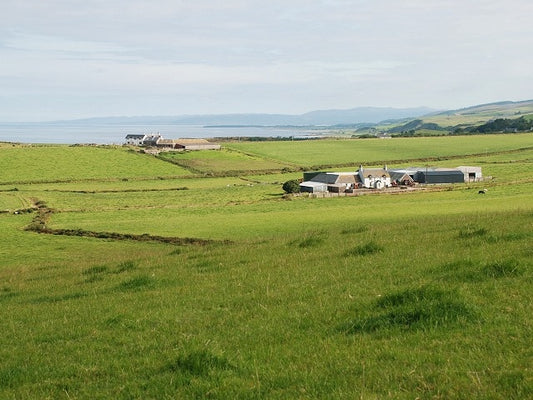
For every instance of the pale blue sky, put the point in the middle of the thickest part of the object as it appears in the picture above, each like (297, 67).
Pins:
(64, 59)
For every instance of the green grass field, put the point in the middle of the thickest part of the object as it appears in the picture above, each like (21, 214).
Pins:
(24, 163)
(221, 162)
(356, 151)
(388, 296)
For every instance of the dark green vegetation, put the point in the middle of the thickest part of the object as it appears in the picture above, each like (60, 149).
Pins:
(503, 117)
(426, 294)
(521, 124)
(291, 186)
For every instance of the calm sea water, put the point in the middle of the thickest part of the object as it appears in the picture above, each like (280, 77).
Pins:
(115, 134)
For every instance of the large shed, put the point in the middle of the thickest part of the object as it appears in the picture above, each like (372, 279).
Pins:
(313, 187)
(439, 176)
(471, 174)
(337, 182)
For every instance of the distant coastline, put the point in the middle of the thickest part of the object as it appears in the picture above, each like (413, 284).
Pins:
(51, 133)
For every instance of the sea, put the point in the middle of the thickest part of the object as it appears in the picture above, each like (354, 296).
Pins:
(49, 133)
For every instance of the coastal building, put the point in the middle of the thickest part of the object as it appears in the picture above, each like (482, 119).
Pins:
(156, 140)
(135, 140)
(188, 144)
(152, 139)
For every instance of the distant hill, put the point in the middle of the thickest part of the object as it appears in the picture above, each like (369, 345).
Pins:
(499, 109)
(322, 117)
(461, 120)
(416, 124)
(361, 115)
(363, 120)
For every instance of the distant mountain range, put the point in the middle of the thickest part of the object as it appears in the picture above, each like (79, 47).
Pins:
(355, 117)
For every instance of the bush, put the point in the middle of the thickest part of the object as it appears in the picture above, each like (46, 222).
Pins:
(292, 186)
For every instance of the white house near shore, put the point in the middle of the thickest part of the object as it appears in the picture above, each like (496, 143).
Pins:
(135, 140)
(188, 144)
(156, 140)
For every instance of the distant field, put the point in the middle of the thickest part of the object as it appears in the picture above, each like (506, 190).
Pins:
(222, 161)
(382, 296)
(63, 163)
(480, 115)
(367, 151)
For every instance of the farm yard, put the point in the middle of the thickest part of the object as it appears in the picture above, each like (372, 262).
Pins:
(423, 294)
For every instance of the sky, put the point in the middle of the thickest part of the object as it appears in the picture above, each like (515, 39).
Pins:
(68, 59)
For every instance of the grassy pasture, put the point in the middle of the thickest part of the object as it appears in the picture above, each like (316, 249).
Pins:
(297, 315)
(24, 164)
(421, 295)
(368, 151)
(264, 216)
(222, 161)
(13, 201)
(215, 196)
(127, 185)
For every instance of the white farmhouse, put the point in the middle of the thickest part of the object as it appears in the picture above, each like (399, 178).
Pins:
(135, 140)
(374, 178)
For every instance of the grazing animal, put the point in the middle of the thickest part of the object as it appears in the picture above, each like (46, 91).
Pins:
(482, 191)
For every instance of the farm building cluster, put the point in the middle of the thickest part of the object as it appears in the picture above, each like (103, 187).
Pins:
(156, 140)
(382, 178)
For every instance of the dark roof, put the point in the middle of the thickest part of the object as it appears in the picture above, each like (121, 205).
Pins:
(441, 172)
(377, 172)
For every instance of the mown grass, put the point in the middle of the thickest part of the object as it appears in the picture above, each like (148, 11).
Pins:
(422, 295)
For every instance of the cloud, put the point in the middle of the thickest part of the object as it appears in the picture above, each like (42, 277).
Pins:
(56, 44)
(296, 54)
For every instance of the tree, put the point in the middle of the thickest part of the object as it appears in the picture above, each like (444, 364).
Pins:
(292, 186)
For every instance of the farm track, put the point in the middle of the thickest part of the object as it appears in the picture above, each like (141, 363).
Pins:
(44, 214)
(117, 191)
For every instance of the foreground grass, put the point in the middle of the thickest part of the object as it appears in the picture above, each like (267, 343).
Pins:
(375, 310)
(423, 295)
